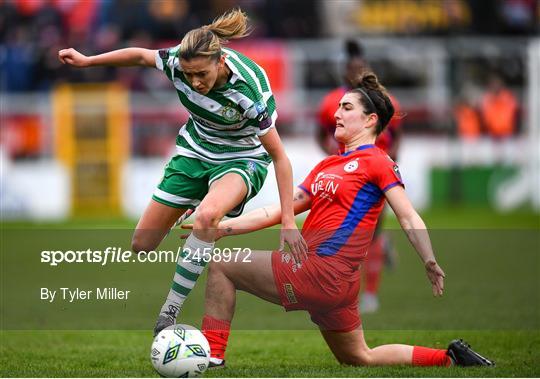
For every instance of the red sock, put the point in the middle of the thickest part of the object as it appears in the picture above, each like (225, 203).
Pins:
(217, 333)
(424, 356)
(374, 264)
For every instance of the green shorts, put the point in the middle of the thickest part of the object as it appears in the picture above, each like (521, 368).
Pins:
(186, 181)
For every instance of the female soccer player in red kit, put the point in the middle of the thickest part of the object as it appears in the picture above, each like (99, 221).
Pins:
(388, 140)
(345, 194)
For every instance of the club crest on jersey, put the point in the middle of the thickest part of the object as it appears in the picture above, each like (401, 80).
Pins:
(230, 113)
(351, 166)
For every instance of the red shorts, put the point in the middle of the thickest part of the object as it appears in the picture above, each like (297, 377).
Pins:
(319, 288)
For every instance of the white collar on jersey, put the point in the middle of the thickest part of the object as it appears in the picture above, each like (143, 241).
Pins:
(232, 67)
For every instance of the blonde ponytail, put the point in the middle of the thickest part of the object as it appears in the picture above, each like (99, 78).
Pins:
(207, 40)
(231, 25)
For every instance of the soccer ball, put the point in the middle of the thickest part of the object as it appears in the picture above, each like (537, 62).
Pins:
(180, 351)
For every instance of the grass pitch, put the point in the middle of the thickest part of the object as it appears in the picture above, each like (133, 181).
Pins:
(492, 300)
(252, 354)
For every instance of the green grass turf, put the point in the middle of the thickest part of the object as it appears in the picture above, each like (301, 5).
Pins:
(252, 354)
(492, 300)
(440, 217)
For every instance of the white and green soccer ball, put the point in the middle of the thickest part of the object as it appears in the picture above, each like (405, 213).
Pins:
(180, 351)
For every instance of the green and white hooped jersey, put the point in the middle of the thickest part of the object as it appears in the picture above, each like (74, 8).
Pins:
(225, 124)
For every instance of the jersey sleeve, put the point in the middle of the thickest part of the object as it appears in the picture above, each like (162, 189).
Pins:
(386, 173)
(167, 61)
(264, 116)
(263, 113)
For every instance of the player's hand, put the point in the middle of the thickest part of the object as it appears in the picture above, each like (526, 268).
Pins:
(436, 276)
(296, 243)
(73, 57)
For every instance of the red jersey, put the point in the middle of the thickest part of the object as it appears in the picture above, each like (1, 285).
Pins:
(327, 121)
(347, 197)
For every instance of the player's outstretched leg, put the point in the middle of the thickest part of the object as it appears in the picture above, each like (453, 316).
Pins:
(189, 267)
(153, 226)
(249, 272)
(224, 194)
(350, 348)
(167, 315)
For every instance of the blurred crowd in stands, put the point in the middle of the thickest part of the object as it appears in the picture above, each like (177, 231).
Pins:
(32, 31)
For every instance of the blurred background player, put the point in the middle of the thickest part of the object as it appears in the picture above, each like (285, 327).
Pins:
(222, 152)
(499, 114)
(498, 108)
(381, 249)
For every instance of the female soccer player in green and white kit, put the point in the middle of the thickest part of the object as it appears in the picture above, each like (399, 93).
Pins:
(222, 152)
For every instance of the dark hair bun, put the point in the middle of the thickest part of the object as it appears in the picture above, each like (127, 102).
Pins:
(368, 81)
(354, 49)
(368, 85)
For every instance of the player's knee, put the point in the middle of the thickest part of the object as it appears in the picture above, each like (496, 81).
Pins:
(215, 268)
(217, 280)
(221, 270)
(140, 243)
(207, 218)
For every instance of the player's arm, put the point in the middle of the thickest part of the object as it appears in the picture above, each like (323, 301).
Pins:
(416, 231)
(274, 147)
(131, 56)
(282, 165)
(264, 217)
(260, 218)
